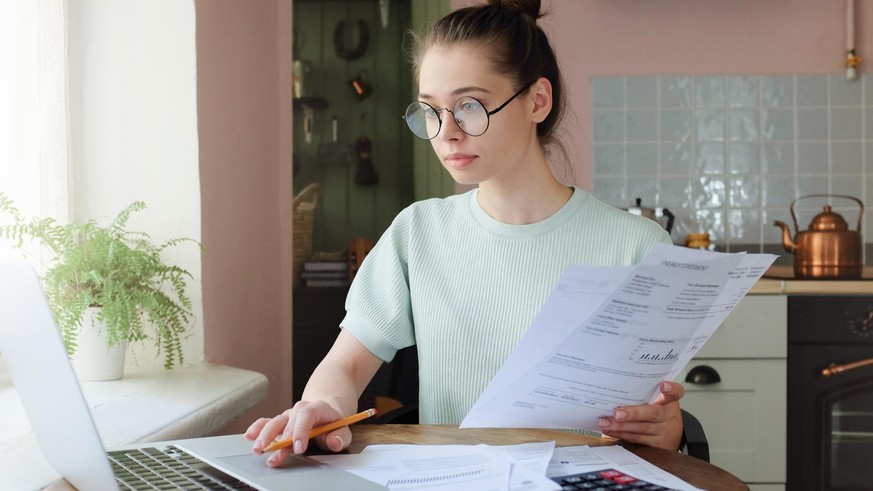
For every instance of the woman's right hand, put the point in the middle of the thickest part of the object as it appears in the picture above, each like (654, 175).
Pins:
(295, 423)
(332, 393)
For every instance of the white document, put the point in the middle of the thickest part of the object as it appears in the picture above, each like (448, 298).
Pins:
(529, 460)
(577, 460)
(607, 337)
(452, 467)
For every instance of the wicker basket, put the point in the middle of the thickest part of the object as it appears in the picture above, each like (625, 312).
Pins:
(304, 207)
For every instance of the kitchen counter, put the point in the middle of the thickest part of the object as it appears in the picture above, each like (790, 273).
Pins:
(779, 281)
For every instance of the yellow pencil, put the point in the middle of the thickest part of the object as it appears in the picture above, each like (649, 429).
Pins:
(318, 430)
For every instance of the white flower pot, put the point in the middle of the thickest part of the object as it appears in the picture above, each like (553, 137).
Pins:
(94, 360)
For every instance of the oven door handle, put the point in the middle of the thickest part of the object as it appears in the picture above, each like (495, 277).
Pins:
(834, 369)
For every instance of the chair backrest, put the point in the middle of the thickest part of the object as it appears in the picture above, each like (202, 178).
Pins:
(693, 437)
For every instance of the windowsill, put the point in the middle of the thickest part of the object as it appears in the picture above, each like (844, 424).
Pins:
(149, 404)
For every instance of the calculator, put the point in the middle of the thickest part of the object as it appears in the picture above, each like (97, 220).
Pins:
(605, 480)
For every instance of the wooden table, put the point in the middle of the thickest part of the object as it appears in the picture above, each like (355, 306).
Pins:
(692, 470)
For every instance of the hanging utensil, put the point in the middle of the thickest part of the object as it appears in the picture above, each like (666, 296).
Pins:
(334, 152)
(361, 85)
(300, 73)
(383, 12)
(366, 173)
(344, 32)
(307, 124)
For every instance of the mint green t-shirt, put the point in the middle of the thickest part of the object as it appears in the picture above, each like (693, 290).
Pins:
(464, 287)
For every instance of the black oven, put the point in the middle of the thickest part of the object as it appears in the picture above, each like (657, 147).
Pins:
(830, 393)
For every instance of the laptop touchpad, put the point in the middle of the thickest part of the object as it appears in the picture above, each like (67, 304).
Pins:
(254, 465)
(298, 473)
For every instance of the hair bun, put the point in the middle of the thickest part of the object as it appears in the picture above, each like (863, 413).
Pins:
(530, 8)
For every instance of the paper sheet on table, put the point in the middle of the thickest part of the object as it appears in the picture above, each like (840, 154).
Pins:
(529, 462)
(535, 455)
(577, 460)
(451, 467)
(606, 337)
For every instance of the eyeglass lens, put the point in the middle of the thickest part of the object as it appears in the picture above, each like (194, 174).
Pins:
(425, 121)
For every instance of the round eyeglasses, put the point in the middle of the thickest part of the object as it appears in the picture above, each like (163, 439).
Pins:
(469, 113)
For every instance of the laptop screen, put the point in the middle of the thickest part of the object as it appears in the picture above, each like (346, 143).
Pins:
(47, 386)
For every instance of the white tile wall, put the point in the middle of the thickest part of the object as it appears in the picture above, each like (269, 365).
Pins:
(728, 154)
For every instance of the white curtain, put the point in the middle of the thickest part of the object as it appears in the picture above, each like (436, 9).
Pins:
(34, 111)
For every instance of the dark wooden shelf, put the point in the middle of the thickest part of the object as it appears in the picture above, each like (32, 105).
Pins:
(310, 102)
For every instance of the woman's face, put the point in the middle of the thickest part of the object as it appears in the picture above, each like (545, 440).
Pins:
(446, 75)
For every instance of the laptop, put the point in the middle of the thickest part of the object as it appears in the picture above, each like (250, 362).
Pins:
(37, 361)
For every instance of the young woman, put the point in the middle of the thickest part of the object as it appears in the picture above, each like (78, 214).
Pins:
(463, 277)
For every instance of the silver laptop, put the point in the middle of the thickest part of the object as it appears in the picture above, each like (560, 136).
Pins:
(41, 372)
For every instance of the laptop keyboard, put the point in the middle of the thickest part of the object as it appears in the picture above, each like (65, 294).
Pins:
(168, 468)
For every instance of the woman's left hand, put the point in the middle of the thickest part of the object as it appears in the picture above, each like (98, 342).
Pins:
(658, 424)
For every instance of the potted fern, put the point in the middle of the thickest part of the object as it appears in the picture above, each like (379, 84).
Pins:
(113, 274)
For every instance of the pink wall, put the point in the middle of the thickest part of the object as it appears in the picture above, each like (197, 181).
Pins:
(244, 113)
(244, 106)
(637, 37)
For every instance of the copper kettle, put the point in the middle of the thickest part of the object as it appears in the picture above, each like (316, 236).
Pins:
(828, 249)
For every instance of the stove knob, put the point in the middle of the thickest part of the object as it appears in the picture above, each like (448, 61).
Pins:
(864, 326)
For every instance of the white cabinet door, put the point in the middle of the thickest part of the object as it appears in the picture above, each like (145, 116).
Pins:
(743, 416)
(757, 328)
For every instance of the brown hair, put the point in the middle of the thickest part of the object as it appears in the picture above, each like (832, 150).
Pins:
(517, 46)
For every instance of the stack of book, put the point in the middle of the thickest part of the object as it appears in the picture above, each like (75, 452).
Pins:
(325, 273)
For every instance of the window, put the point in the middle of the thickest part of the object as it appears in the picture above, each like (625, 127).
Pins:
(34, 143)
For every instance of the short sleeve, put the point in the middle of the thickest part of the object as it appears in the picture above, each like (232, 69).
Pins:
(378, 310)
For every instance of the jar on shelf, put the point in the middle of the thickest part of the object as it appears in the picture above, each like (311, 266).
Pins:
(699, 240)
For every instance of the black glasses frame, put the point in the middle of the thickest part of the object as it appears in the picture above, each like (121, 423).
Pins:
(488, 113)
